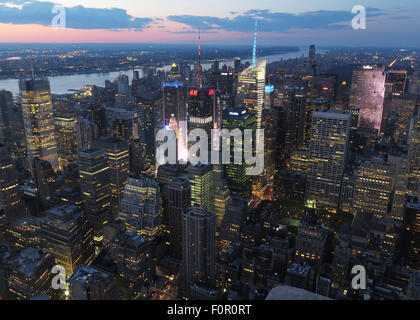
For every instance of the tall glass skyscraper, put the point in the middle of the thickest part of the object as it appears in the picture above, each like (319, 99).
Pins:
(251, 88)
(235, 174)
(38, 119)
(328, 150)
(367, 94)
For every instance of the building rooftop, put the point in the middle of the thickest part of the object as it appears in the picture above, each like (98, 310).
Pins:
(29, 260)
(84, 274)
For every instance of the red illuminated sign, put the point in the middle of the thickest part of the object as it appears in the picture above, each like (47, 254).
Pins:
(193, 92)
(211, 92)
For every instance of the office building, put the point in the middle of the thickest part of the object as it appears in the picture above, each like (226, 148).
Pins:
(179, 200)
(412, 224)
(251, 87)
(202, 185)
(66, 134)
(373, 188)
(95, 186)
(141, 207)
(10, 195)
(367, 94)
(117, 156)
(38, 119)
(24, 233)
(328, 154)
(235, 174)
(198, 247)
(87, 283)
(67, 234)
(30, 274)
(132, 255)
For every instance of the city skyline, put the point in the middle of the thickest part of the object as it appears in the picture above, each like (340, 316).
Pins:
(242, 155)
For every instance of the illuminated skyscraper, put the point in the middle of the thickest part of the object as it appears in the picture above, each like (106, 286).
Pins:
(198, 245)
(66, 134)
(30, 274)
(174, 102)
(328, 153)
(24, 233)
(235, 174)
(38, 118)
(10, 195)
(312, 237)
(414, 155)
(202, 110)
(141, 207)
(221, 195)
(202, 185)
(373, 188)
(251, 87)
(174, 113)
(412, 223)
(6, 104)
(117, 155)
(96, 190)
(68, 236)
(367, 94)
(179, 190)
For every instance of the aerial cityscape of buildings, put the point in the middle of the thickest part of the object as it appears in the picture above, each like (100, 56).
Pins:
(81, 188)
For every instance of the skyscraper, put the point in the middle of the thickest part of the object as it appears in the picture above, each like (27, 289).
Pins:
(373, 188)
(198, 247)
(328, 152)
(68, 236)
(251, 88)
(235, 174)
(367, 94)
(10, 196)
(179, 190)
(6, 104)
(236, 210)
(141, 207)
(412, 223)
(117, 156)
(30, 274)
(95, 187)
(202, 111)
(87, 283)
(312, 238)
(38, 118)
(202, 185)
(414, 155)
(66, 134)
(398, 80)
(174, 102)
(133, 258)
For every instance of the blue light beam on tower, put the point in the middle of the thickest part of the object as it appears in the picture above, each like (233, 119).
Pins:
(254, 51)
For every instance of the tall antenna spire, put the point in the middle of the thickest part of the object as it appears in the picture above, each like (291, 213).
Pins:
(254, 51)
(32, 71)
(199, 75)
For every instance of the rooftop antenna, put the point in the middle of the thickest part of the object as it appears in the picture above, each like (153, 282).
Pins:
(199, 75)
(254, 51)
(32, 71)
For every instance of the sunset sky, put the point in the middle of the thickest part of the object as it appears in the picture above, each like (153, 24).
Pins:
(326, 22)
